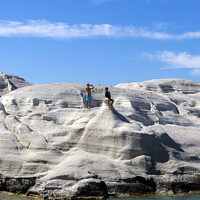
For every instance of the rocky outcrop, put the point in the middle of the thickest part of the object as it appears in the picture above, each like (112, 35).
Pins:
(149, 142)
(10, 82)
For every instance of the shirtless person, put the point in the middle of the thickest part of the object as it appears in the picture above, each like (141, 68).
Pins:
(108, 98)
(88, 94)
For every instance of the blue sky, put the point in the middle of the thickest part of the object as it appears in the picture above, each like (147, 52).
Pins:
(100, 41)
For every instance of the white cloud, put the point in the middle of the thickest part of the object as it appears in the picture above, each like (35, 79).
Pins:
(43, 28)
(189, 35)
(182, 60)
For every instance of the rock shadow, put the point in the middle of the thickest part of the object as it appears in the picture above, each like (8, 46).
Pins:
(119, 115)
(160, 153)
(168, 141)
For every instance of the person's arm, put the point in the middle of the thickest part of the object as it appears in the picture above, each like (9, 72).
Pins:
(92, 87)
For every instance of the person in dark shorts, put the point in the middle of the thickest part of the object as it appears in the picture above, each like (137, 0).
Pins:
(108, 98)
(88, 94)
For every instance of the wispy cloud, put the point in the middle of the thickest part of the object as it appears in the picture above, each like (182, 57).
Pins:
(195, 72)
(181, 60)
(160, 25)
(43, 28)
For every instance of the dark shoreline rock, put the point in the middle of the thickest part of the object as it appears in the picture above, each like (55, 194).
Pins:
(92, 188)
(95, 189)
(179, 185)
(19, 185)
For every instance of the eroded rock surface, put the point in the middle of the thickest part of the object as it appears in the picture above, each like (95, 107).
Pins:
(149, 141)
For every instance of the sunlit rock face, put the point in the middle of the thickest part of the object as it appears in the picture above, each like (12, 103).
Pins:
(148, 142)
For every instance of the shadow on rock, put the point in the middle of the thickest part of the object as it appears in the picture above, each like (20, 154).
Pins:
(159, 154)
(168, 141)
(120, 116)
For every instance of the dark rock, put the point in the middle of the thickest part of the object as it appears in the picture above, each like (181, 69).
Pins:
(19, 185)
(93, 189)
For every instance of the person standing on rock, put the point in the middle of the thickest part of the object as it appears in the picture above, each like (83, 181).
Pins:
(108, 98)
(88, 90)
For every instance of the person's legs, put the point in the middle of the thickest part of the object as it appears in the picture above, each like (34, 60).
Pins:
(112, 101)
(89, 103)
(108, 101)
(89, 99)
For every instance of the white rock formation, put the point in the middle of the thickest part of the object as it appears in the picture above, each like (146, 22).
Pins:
(149, 141)
(9, 82)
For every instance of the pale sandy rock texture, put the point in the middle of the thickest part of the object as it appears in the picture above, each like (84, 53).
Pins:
(52, 146)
